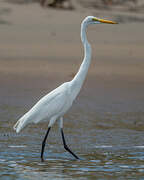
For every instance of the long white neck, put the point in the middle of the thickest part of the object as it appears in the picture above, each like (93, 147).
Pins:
(79, 78)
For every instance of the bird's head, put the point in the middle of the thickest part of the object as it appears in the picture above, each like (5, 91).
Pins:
(94, 20)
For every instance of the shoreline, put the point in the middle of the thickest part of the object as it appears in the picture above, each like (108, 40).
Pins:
(41, 48)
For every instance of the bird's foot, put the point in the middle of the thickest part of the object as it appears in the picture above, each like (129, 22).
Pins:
(42, 159)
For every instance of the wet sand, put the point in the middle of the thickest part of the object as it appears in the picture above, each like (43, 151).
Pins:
(39, 50)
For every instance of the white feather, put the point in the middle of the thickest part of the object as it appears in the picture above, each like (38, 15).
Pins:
(55, 104)
(50, 107)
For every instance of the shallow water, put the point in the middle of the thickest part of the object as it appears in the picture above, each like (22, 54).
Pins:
(105, 162)
(106, 151)
(22, 162)
(105, 125)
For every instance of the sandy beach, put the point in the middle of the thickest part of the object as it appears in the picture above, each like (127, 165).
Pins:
(40, 48)
(45, 42)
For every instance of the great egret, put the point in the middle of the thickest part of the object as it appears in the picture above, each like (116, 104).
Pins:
(54, 105)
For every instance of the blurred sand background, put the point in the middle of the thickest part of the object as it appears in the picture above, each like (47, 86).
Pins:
(40, 48)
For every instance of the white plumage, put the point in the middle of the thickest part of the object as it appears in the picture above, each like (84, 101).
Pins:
(55, 104)
(50, 107)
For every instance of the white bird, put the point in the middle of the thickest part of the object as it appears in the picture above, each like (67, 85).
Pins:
(55, 104)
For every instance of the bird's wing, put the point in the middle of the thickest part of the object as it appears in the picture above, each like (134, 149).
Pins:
(53, 105)
(50, 105)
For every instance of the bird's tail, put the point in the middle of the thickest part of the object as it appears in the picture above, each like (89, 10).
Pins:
(20, 124)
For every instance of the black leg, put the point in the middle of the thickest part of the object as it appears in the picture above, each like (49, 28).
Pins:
(66, 147)
(43, 144)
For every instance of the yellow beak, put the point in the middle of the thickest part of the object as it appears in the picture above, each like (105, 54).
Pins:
(104, 21)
